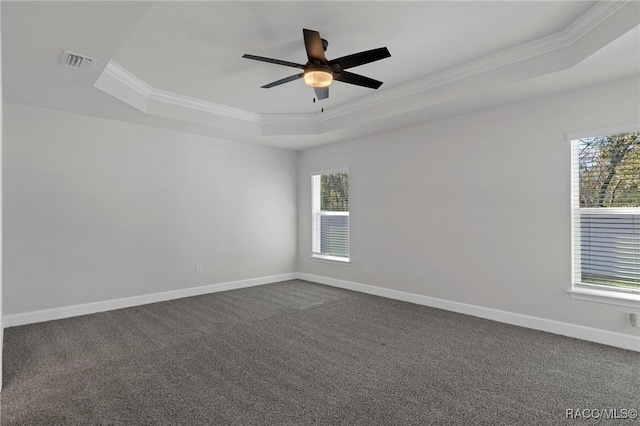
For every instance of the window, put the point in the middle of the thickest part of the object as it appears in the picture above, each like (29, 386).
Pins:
(330, 216)
(606, 215)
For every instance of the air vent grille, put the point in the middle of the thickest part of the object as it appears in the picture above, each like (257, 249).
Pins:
(74, 60)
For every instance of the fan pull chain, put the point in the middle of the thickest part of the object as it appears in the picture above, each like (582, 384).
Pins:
(321, 107)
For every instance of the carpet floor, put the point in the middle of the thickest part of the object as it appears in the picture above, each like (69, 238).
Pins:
(297, 353)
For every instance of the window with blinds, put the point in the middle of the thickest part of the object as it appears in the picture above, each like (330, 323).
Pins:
(330, 216)
(606, 212)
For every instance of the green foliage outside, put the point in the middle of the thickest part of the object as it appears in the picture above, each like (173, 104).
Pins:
(334, 192)
(610, 171)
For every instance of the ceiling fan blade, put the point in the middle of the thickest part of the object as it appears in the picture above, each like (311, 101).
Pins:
(313, 44)
(321, 92)
(273, 61)
(357, 79)
(283, 80)
(361, 58)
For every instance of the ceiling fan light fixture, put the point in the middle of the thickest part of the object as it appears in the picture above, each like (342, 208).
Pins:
(319, 73)
(318, 77)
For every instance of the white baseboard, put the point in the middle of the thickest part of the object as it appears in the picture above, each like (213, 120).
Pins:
(610, 338)
(13, 320)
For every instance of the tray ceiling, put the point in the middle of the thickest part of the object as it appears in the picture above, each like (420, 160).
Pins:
(179, 64)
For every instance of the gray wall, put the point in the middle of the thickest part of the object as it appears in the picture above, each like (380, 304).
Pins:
(474, 208)
(97, 210)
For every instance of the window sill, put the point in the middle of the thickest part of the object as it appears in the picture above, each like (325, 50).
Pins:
(331, 259)
(603, 296)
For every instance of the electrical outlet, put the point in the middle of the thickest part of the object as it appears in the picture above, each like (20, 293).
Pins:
(633, 319)
(198, 269)
(367, 268)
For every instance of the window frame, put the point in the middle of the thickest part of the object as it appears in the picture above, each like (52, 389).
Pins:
(588, 291)
(323, 257)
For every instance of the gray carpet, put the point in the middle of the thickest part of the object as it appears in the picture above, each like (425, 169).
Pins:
(297, 353)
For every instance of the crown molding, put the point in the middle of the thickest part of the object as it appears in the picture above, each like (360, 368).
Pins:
(124, 76)
(125, 86)
(593, 17)
(178, 100)
(563, 39)
(291, 118)
(115, 74)
(521, 62)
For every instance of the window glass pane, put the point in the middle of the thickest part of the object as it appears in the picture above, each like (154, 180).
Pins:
(334, 192)
(609, 169)
(334, 235)
(607, 211)
(610, 249)
(330, 215)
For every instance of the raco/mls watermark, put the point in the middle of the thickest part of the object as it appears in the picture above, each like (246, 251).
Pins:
(601, 413)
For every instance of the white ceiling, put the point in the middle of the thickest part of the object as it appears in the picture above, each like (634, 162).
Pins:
(179, 65)
(196, 49)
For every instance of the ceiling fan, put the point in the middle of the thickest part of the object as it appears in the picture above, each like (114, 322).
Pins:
(318, 72)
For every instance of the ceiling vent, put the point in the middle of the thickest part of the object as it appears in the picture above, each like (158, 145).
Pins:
(74, 60)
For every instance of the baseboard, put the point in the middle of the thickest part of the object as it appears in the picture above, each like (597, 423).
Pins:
(610, 338)
(13, 320)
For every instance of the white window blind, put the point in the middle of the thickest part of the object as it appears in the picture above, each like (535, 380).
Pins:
(330, 216)
(606, 212)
